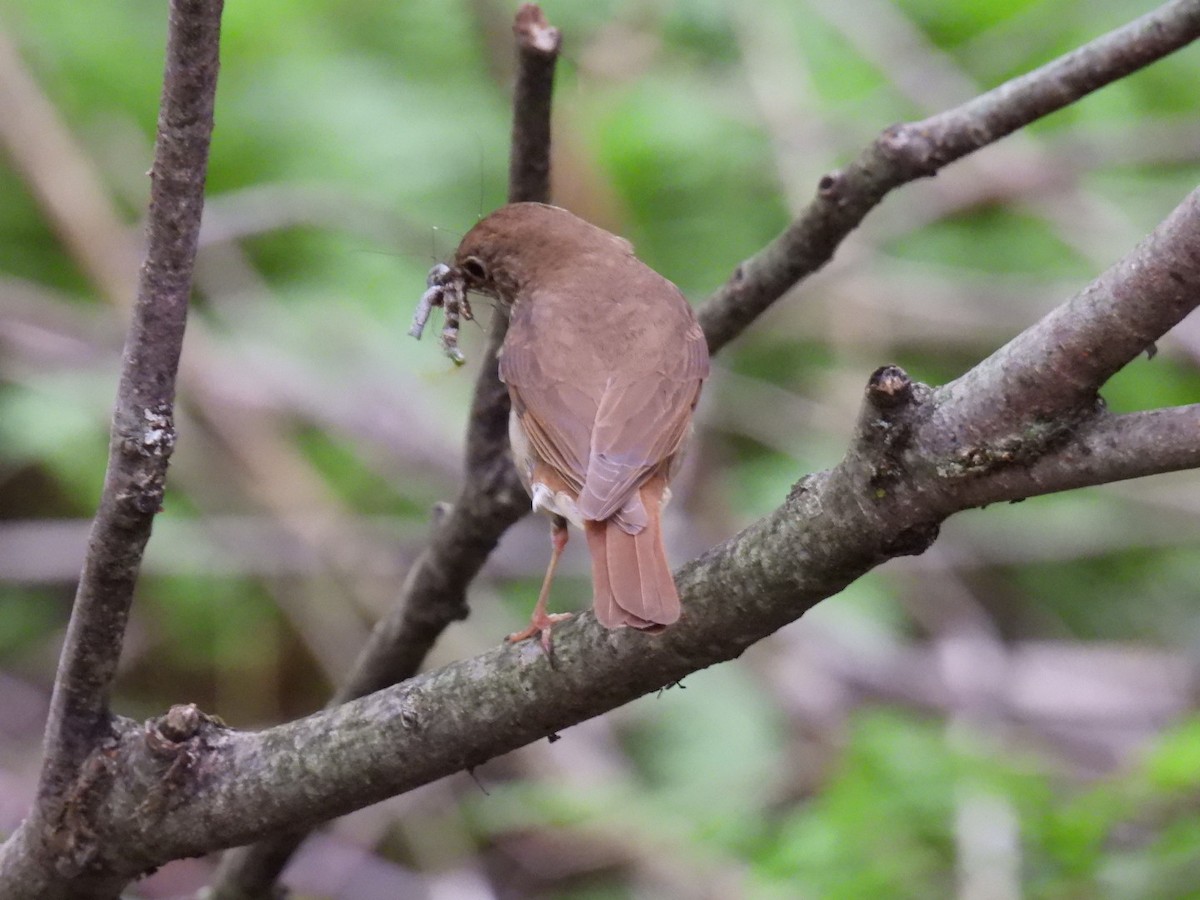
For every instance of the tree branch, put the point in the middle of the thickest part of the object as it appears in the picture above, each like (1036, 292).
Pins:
(492, 499)
(1106, 449)
(466, 713)
(913, 150)
(237, 784)
(538, 45)
(434, 594)
(1049, 375)
(833, 527)
(184, 784)
(141, 442)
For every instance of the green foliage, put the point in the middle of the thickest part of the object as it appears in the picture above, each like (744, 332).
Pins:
(887, 820)
(721, 205)
(27, 616)
(881, 827)
(995, 240)
(56, 422)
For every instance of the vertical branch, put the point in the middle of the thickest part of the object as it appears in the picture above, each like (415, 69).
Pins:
(141, 442)
(538, 44)
(142, 428)
(492, 499)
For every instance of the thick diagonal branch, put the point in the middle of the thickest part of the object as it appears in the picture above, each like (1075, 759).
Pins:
(832, 528)
(1050, 374)
(900, 479)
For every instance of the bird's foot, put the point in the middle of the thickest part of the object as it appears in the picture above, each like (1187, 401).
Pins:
(540, 624)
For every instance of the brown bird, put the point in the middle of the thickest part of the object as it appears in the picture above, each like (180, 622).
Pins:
(604, 361)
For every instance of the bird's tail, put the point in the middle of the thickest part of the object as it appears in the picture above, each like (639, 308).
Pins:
(630, 575)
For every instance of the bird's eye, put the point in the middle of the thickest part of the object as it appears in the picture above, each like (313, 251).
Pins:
(474, 268)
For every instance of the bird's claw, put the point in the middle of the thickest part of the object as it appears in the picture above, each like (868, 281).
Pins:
(540, 625)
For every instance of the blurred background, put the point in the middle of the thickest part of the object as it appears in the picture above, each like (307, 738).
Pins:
(1012, 714)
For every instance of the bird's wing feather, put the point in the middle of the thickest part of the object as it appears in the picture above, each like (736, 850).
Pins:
(639, 424)
(605, 437)
(553, 413)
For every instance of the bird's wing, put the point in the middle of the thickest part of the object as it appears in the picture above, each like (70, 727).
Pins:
(555, 415)
(640, 423)
(604, 437)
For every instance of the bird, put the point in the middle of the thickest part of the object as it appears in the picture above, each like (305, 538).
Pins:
(604, 361)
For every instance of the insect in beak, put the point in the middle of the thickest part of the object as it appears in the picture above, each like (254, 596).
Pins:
(445, 287)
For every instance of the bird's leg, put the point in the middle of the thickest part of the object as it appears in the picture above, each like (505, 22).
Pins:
(541, 622)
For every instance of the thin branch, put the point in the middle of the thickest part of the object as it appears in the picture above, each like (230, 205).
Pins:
(434, 593)
(142, 439)
(913, 150)
(143, 429)
(538, 44)
(1104, 450)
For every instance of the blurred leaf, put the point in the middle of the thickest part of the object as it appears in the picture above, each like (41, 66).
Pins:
(1175, 763)
(994, 240)
(26, 616)
(711, 746)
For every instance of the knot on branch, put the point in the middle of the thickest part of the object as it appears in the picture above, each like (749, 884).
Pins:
(885, 425)
(910, 147)
(439, 512)
(149, 436)
(182, 742)
(181, 723)
(831, 186)
(146, 442)
(889, 388)
(157, 438)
